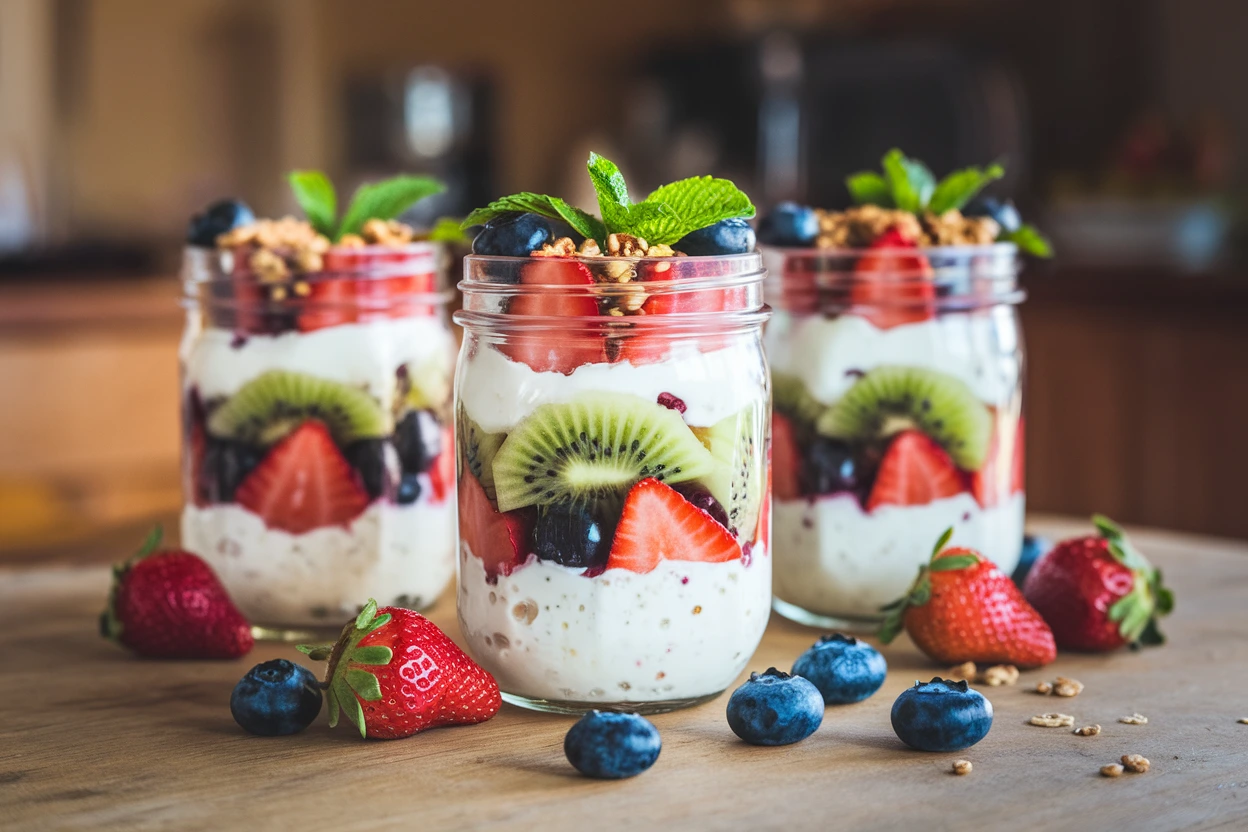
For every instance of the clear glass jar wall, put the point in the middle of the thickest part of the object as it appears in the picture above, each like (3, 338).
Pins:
(318, 468)
(897, 381)
(612, 420)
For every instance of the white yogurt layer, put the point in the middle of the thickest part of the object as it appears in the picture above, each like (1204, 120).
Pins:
(979, 348)
(834, 559)
(402, 555)
(683, 631)
(497, 392)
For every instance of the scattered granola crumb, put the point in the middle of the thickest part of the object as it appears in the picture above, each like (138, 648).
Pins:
(1067, 687)
(998, 675)
(1052, 720)
(1044, 688)
(964, 672)
(962, 767)
(1088, 730)
(1112, 770)
(1134, 719)
(1243, 721)
(1136, 762)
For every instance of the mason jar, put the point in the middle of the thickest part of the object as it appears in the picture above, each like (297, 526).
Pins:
(318, 468)
(897, 378)
(612, 420)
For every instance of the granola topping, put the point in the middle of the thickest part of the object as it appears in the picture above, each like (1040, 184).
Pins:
(861, 225)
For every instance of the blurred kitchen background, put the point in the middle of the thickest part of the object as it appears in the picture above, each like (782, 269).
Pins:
(1123, 124)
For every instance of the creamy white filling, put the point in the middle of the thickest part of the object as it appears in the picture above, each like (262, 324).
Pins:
(402, 555)
(548, 632)
(834, 559)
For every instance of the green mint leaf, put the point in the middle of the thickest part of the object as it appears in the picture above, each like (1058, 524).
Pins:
(654, 222)
(613, 201)
(386, 200)
(960, 187)
(910, 181)
(688, 204)
(315, 195)
(586, 224)
(447, 230)
(1029, 241)
(869, 188)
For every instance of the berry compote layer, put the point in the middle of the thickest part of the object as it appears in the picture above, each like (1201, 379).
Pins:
(319, 463)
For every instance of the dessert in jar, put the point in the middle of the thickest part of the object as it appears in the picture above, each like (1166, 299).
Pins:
(318, 466)
(897, 369)
(612, 412)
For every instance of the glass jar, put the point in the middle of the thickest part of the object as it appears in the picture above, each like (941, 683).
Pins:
(897, 378)
(317, 462)
(612, 418)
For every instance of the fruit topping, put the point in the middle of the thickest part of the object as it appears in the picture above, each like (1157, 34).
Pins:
(658, 524)
(304, 483)
(892, 288)
(478, 449)
(215, 220)
(829, 467)
(774, 708)
(1000, 211)
(737, 481)
(914, 472)
(844, 669)
(169, 604)
(276, 698)
(962, 608)
(730, 236)
(418, 439)
(612, 746)
(501, 541)
(786, 460)
(514, 234)
(565, 346)
(570, 535)
(941, 716)
(789, 224)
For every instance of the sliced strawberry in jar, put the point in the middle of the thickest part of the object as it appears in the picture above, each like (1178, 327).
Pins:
(786, 459)
(562, 347)
(649, 343)
(442, 473)
(994, 481)
(658, 524)
(892, 286)
(328, 301)
(499, 540)
(304, 483)
(915, 471)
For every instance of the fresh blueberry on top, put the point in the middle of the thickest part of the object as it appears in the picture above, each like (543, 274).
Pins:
(844, 669)
(612, 746)
(215, 220)
(276, 698)
(941, 716)
(1033, 549)
(774, 708)
(513, 235)
(829, 467)
(1001, 210)
(418, 439)
(572, 536)
(732, 236)
(789, 224)
(409, 489)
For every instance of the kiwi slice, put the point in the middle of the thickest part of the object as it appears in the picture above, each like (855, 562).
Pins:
(479, 449)
(790, 396)
(737, 482)
(429, 385)
(273, 404)
(593, 449)
(890, 399)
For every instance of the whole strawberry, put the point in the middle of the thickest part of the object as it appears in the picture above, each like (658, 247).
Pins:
(963, 608)
(169, 604)
(394, 673)
(1098, 592)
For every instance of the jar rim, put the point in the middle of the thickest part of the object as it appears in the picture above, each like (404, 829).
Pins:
(999, 248)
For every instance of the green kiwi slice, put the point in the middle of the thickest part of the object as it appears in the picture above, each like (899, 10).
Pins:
(737, 482)
(593, 449)
(274, 403)
(479, 449)
(790, 396)
(890, 399)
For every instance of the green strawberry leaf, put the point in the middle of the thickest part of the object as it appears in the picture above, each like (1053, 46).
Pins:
(891, 626)
(386, 200)
(334, 709)
(942, 542)
(315, 195)
(869, 188)
(379, 622)
(316, 652)
(372, 654)
(612, 191)
(909, 180)
(365, 684)
(585, 223)
(960, 187)
(690, 204)
(1029, 241)
(954, 563)
(350, 705)
(447, 230)
(366, 615)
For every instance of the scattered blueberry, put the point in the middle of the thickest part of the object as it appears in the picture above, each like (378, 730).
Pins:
(369, 457)
(733, 236)
(941, 716)
(418, 439)
(513, 235)
(829, 467)
(570, 535)
(844, 669)
(612, 746)
(1033, 549)
(409, 489)
(225, 465)
(789, 224)
(774, 708)
(701, 497)
(276, 698)
(1001, 210)
(215, 220)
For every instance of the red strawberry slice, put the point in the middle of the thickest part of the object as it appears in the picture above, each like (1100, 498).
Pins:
(499, 540)
(658, 524)
(330, 301)
(442, 474)
(992, 482)
(786, 458)
(649, 343)
(762, 534)
(564, 347)
(799, 287)
(1018, 479)
(915, 471)
(892, 287)
(303, 484)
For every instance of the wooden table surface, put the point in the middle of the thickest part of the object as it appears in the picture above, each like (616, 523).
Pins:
(92, 738)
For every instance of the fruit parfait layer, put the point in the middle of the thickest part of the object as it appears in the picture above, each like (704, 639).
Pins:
(316, 363)
(897, 367)
(612, 423)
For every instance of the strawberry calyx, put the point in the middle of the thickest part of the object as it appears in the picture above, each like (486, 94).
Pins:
(1136, 613)
(110, 623)
(920, 592)
(346, 679)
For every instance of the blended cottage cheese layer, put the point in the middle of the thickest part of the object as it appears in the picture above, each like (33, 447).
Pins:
(685, 630)
(403, 555)
(497, 392)
(840, 561)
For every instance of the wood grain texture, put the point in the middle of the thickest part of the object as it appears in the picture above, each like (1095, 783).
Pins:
(92, 738)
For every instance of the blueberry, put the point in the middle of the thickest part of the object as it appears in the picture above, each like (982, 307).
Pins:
(215, 220)
(225, 465)
(789, 224)
(276, 698)
(409, 489)
(1033, 549)
(734, 236)
(612, 746)
(572, 536)
(418, 439)
(700, 496)
(513, 235)
(844, 669)
(941, 716)
(1001, 210)
(370, 457)
(774, 708)
(829, 467)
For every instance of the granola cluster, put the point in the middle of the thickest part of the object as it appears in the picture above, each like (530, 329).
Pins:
(1061, 686)
(615, 277)
(380, 233)
(862, 225)
(278, 249)
(995, 676)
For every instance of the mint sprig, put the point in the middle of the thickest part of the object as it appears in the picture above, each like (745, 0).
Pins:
(1029, 240)
(385, 200)
(447, 230)
(551, 207)
(316, 196)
